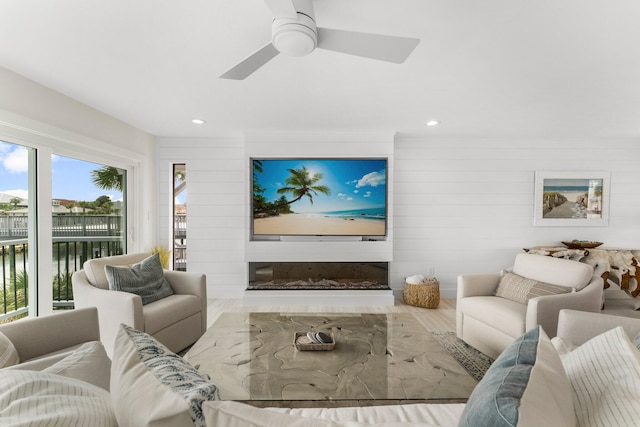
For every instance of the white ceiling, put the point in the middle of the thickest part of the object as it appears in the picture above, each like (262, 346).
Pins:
(492, 68)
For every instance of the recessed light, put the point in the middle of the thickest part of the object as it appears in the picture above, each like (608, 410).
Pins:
(198, 121)
(432, 123)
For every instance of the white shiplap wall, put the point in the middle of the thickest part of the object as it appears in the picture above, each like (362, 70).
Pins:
(465, 206)
(458, 206)
(215, 208)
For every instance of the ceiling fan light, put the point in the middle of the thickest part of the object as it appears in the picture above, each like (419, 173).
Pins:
(294, 40)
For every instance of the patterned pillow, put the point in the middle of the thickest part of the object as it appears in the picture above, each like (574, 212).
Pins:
(514, 287)
(520, 289)
(40, 399)
(8, 353)
(525, 386)
(605, 377)
(150, 385)
(145, 279)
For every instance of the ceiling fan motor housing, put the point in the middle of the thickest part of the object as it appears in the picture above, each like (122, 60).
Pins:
(295, 37)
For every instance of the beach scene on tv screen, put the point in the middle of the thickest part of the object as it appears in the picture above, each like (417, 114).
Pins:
(319, 197)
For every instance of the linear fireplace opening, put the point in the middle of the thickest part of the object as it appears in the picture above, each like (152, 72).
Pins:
(318, 276)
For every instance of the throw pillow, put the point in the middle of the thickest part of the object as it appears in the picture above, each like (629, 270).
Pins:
(89, 363)
(8, 353)
(605, 377)
(521, 289)
(525, 386)
(514, 287)
(636, 341)
(150, 385)
(39, 399)
(145, 279)
(541, 289)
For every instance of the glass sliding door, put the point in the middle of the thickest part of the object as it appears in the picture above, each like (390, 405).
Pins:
(88, 211)
(17, 238)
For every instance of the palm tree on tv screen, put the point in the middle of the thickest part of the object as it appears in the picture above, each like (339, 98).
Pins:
(300, 183)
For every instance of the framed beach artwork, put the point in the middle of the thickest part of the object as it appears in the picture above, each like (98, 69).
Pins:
(571, 198)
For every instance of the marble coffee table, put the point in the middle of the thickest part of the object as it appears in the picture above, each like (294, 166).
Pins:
(378, 358)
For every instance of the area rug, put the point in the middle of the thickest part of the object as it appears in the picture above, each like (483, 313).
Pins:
(473, 361)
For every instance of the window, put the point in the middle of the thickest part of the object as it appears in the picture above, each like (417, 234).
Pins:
(180, 217)
(16, 237)
(88, 218)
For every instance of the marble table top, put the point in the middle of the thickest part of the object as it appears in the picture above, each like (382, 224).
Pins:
(377, 357)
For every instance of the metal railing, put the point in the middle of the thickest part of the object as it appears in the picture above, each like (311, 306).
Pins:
(17, 226)
(68, 257)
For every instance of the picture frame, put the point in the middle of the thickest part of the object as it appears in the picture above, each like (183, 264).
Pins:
(571, 198)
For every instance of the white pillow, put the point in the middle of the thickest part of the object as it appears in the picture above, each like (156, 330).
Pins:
(89, 363)
(39, 399)
(8, 353)
(150, 385)
(605, 376)
(562, 347)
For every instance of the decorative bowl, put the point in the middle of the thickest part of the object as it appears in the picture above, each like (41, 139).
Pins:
(581, 244)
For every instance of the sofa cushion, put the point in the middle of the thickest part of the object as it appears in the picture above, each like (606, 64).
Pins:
(8, 353)
(417, 413)
(605, 377)
(499, 313)
(169, 310)
(150, 385)
(39, 399)
(555, 271)
(94, 268)
(145, 279)
(46, 360)
(88, 363)
(234, 414)
(525, 386)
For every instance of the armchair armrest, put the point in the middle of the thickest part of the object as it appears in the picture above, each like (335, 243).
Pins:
(471, 285)
(193, 284)
(39, 336)
(544, 310)
(577, 327)
(114, 308)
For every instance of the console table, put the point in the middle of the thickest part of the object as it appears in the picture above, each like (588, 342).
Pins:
(614, 265)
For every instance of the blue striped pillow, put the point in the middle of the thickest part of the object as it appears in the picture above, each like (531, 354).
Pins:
(525, 386)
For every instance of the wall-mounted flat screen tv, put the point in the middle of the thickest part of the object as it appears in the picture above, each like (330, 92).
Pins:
(319, 197)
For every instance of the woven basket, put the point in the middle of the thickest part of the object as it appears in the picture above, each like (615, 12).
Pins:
(423, 295)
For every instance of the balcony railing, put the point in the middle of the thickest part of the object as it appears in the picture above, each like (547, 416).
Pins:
(76, 239)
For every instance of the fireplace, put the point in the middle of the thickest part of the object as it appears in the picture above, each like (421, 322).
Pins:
(266, 276)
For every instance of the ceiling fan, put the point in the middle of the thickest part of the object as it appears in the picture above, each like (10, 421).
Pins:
(294, 32)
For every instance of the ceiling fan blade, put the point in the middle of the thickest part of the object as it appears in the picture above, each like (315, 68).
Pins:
(375, 46)
(282, 8)
(247, 66)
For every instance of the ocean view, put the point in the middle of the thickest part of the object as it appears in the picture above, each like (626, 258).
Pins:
(370, 213)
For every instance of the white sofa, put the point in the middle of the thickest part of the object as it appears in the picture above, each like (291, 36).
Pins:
(490, 323)
(177, 320)
(42, 341)
(141, 394)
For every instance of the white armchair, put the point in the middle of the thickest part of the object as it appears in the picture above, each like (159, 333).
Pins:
(490, 323)
(177, 321)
